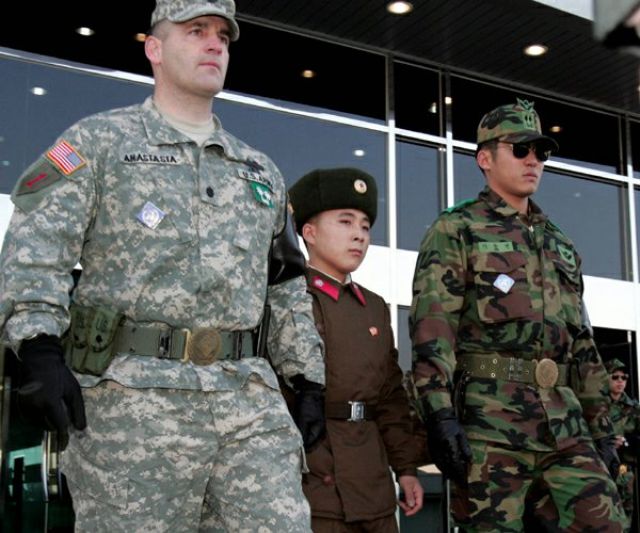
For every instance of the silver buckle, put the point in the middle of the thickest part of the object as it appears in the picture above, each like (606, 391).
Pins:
(357, 412)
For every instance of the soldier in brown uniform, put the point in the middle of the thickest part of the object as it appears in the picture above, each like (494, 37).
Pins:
(349, 485)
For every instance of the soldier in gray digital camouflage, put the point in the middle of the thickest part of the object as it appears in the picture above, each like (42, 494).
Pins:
(176, 421)
(506, 369)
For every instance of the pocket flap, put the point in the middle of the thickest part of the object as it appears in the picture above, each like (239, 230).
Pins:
(498, 262)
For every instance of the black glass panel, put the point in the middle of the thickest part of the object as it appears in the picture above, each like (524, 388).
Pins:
(417, 99)
(270, 63)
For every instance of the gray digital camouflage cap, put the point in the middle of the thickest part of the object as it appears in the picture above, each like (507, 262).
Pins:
(514, 123)
(183, 10)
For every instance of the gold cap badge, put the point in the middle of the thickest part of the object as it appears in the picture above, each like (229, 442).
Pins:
(360, 186)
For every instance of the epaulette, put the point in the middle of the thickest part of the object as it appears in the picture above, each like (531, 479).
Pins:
(460, 205)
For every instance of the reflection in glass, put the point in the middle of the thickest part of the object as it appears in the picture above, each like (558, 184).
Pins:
(468, 179)
(417, 99)
(31, 123)
(589, 213)
(300, 144)
(418, 186)
(403, 340)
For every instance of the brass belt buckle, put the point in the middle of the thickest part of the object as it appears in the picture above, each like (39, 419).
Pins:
(202, 346)
(357, 412)
(546, 373)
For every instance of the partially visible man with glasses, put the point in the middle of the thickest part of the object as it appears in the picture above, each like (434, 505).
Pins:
(504, 361)
(625, 416)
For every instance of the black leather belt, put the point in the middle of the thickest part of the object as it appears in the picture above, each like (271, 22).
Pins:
(350, 411)
(201, 346)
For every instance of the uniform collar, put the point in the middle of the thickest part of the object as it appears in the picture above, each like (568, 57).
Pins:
(331, 286)
(159, 131)
(497, 204)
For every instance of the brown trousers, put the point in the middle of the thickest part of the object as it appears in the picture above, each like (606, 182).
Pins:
(386, 524)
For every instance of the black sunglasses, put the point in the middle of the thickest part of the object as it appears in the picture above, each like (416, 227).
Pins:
(620, 377)
(521, 150)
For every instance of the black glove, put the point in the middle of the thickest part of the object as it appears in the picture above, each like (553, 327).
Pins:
(606, 447)
(49, 395)
(448, 445)
(308, 410)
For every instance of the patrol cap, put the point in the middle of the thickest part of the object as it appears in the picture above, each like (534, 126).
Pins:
(613, 365)
(333, 188)
(514, 123)
(183, 10)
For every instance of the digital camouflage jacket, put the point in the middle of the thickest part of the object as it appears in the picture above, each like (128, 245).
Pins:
(167, 233)
(489, 283)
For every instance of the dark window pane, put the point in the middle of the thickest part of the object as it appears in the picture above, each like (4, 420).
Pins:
(635, 147)
(578, 144)
(418, 192)
(403, 340)
(31, 123)
(268, 62)
(299, 144)
(468, 179)
(589, 213)
(417, 99)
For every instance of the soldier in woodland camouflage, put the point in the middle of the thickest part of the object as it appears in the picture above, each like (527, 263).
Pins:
(625, 417)
(506, 369)
(172, 220)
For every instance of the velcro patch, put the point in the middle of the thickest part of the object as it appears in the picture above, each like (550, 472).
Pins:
(66, 158)
(262, 194)
(39, 177)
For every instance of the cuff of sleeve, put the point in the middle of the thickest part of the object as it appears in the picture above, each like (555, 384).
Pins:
(409, 471)
(435, 401)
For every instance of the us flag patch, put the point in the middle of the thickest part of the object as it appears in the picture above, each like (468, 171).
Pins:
(66, 158)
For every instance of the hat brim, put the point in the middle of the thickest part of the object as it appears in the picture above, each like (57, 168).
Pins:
(524, 137)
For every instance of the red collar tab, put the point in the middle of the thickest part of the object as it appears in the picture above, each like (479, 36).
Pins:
(356, 290)
(325, 286)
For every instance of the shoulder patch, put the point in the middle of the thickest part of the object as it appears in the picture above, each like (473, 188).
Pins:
(40, 176)
(460, 205)
(66, 158)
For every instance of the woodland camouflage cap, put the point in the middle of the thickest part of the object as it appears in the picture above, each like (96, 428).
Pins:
(183, 10)
(514, 123)
(614, 364)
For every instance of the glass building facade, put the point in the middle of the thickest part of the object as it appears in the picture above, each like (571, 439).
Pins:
(411, 125)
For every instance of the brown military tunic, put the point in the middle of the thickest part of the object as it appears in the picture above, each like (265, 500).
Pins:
(349, 475)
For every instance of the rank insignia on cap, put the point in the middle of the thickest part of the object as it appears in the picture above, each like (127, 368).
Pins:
(150, 215)
(374, 331)
(360, 186)
(65, 158)
(262, 194)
